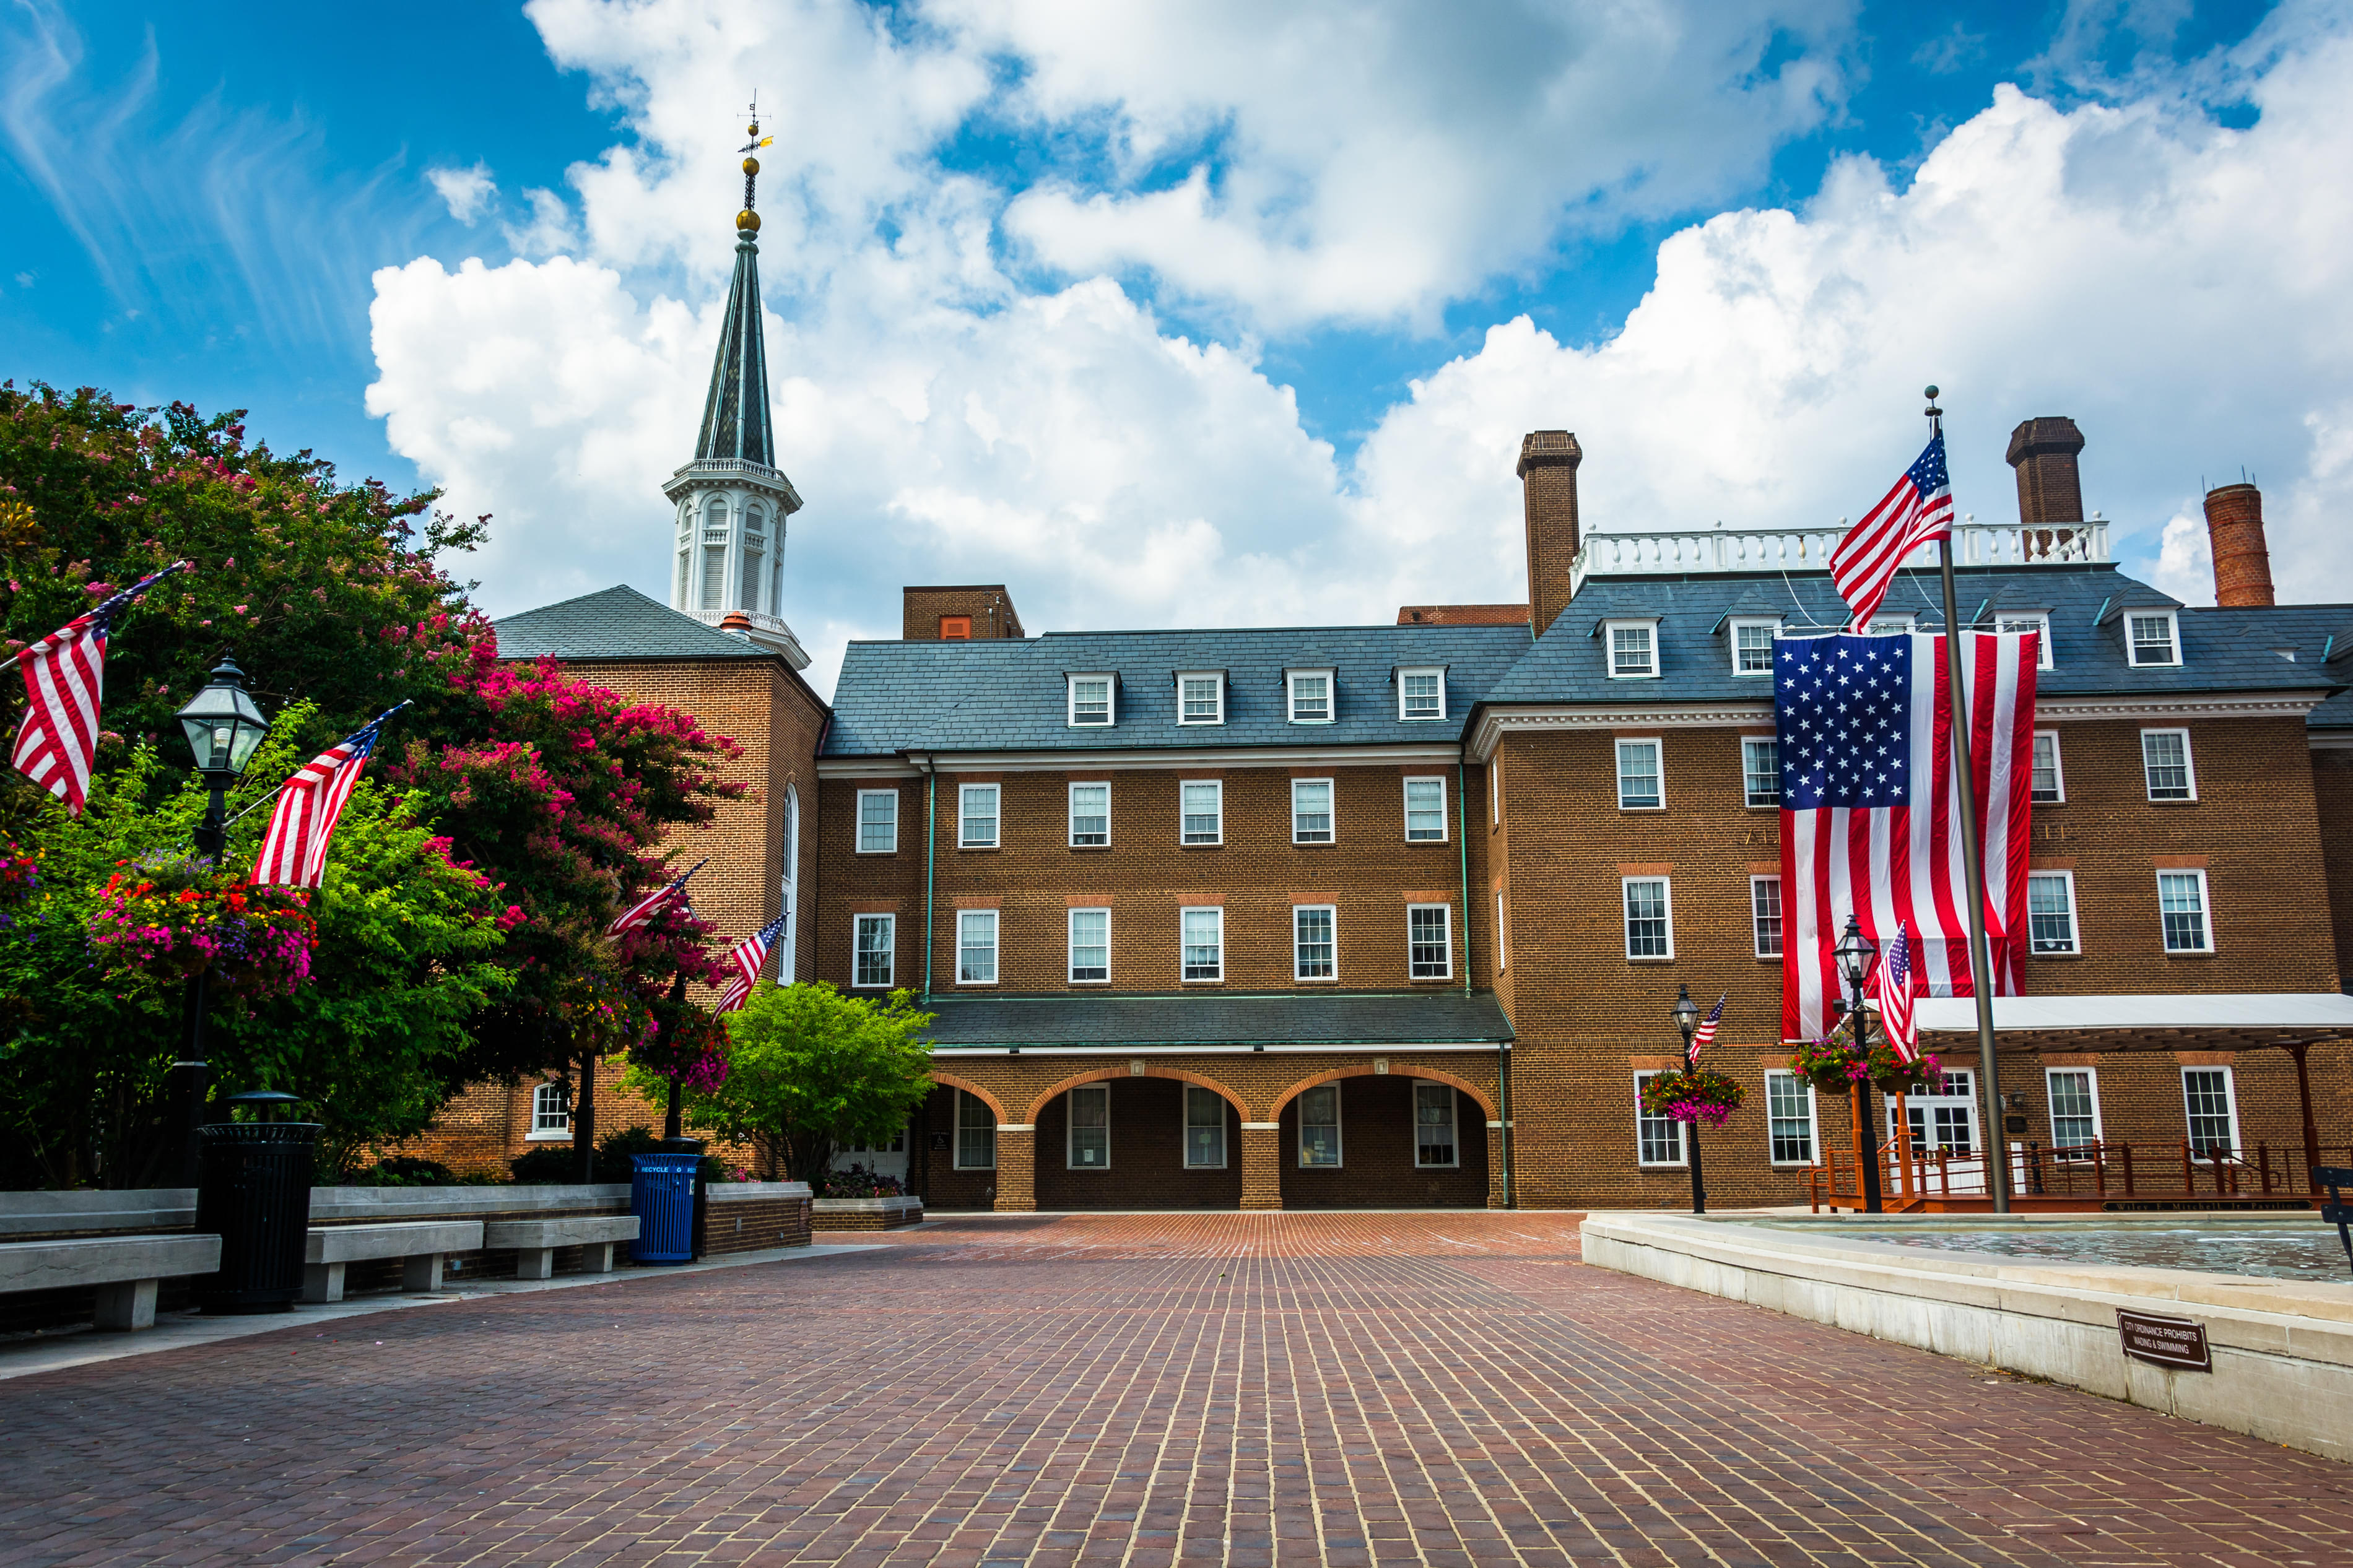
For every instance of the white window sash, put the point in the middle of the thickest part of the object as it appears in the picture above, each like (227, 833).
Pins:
(1405, 712)
(2230, 1104)
(892, 796)
(2058, 769)
(1428, 781)
(2172, 639)
(1217, 684)
(965, 1125)
(1791, 1084)
(1105, 842)
(1217, 829)
(1503, 944)
(2204, 911)
(1339, 1159)
(1667, 910)
(1071, 948)
(1657, 748)
(2066, 881)
(1110, 698)
(1330, 941)
(2038, 624)
(1292, 682)
(1197, 1148)
(2149, 767)
(1453, 1125)
(1331, 811)
(2050, 1076)
(1662, 1127)
(887, 924)
(1099, 1094)
(1756, 885)
(1772, 629)
(1648, 640)
(1184, 927)
(971, 924)
(1445, 915)
(966, 816)
(1749, 746)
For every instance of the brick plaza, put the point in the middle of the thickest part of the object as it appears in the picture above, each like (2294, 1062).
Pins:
(1237, 1388)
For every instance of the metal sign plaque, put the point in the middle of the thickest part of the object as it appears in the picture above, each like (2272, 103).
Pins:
(2176, 1342)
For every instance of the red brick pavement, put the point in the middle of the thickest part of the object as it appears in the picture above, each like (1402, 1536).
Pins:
(1145, 1391)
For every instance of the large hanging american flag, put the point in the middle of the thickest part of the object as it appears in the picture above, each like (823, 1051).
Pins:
(65, 677)
(1705, 1036)
(1891, 987)
(747, 957)
(654, 904)
(1871, 808)
(294, 850)
(1917, 509)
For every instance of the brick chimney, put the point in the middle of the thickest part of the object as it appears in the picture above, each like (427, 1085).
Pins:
(2242, 561)
(2043, 451)
(1547, 471)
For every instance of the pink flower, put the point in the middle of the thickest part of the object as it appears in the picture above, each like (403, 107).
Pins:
(238, 608)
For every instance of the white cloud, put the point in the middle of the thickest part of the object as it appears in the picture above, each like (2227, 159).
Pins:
(467, 192)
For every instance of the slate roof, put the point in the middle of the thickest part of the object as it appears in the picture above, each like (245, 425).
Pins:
(617, 623)
(1217, 1018)
(1008, 694)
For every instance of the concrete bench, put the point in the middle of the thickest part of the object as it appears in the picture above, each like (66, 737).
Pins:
(535, 1240)
(421, 1245)
(125, 1268)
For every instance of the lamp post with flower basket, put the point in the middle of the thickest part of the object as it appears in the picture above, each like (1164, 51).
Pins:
(1692, 1094)
(1862, 1062)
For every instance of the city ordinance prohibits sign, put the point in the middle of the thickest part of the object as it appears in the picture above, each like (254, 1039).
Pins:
(2176, 1343)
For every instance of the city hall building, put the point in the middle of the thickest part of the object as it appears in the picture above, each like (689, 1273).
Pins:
(1393, 914)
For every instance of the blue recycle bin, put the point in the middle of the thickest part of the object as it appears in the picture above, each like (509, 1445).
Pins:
(662, 1194)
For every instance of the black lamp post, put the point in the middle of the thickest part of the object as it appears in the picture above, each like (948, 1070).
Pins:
(1685, 1014)
(223, 725)
(1854, 952)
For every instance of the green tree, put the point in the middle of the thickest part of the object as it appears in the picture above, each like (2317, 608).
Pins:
(808, 1071)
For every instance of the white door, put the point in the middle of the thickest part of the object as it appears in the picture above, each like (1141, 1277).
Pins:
(1945, 1122)
(883, 1160)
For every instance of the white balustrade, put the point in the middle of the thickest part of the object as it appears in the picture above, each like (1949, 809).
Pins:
(1809, 548)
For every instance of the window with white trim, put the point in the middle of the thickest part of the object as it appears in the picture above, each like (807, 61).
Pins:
(1434, 1144)
(975, 947)
(1205, 1129)
(2035, 621)
(1319, 1127)
(1201, 806)
(2166, 766)
(1203, 934)
(1751, 645)
(875, 955)
(2211, 1109)
(1089, 1127)
(1424, 810)
(1310, 691)
(1658, 1140)
(1311, 811)
(1314, 950)
(2181, 905)
(1421, 693)
(1090, 947)
(1788, 1118)
(1642, 785)
(551, 1112)
(1200, 697)
(2152, 637)
(2049, 785)
(1503, 946)
(975, 1133)
(1089, 815)
(1760, 770)
(2074, 1097)
(1765, 915)
(2050, 912)
(1633, 648)
(1430, 941)
(1495, 789)
(878, 821)
(1888, 626)
(1650, 918)
(1093, 701)
(977, 817)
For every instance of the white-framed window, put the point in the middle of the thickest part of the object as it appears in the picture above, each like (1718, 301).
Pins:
(1205, 1129)
(2181, 905)
(1765, 915)
(1760, 770)
(875, 955)
(1752, 645)
(1421, 693)
(1093, 700)
(1200, 697)
(1311, 811)
(1314, 947)
(1319, 1127)
(1203, 936)
(1503, 946)
(975, 1133)
(1642, 782)
(1201, 810)
(1658, 1140)
(2166, 765)
(1424, 810)
(551, 1113)
(2036, 621)
(2050, 912)
(1089, 1130)
(878, 822)
(975, 947)
(1090, 947)
(1310, 691)
(1633, 648)
(1430, 941)
(2049, 785)
(1788, 1118)
(2211, 1103)
(1887, 625)
(788, 902)
(1434, 1143)
(2152, 637)
(1650, 917)
(1495, 789)
(1089, 815)
(2075, 1095)
(977, 817)
(1945, 1122)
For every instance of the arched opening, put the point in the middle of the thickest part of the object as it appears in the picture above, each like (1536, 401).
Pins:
(714, 554)
(1394, 1140)
(952, 1154)
(1120, 1139)
(755, 565)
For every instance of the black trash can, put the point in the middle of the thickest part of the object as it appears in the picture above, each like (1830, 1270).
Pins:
(253, 1189)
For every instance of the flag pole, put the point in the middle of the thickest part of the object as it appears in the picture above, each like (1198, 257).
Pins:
(1997, 1146)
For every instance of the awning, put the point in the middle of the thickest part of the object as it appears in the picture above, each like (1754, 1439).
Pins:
(1219, 1021)
(2228, 1021)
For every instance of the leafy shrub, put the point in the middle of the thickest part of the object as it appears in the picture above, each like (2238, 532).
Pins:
(857, 1182)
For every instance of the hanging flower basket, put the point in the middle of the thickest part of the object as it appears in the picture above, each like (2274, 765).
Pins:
(1834, 1066)
(169, 918)
(1692, 1094)
(693, 1050)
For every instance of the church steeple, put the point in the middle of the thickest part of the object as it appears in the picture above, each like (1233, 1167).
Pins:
(732, 498)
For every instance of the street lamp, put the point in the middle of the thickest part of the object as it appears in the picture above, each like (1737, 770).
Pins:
(1685, 1013)
(1854, 952)
(223, 725)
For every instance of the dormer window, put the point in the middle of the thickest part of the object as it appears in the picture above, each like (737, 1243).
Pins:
(1752, 645)
(1887, 626)
(1092, 700)
(2152, 636)
(1200, 697)
(1421, 693)
(1311, 695)
(1633, 648)
(2036, 621)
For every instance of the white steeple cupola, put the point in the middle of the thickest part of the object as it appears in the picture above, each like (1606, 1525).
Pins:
(731, 500)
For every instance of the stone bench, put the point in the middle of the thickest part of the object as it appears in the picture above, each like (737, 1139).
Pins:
(535, 1240)
(125, 1268)
(421, 1245)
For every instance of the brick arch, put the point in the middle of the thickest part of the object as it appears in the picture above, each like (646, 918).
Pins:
(953, 1080)
(1435, 1075)
(1101, 1075)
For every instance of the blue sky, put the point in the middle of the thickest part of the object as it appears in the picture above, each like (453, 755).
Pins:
(976, 210)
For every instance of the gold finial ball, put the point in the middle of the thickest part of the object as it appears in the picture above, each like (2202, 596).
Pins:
(748, 221)
(750, 165)
(753, 129)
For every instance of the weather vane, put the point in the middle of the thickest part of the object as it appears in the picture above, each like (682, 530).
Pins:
(748, 220)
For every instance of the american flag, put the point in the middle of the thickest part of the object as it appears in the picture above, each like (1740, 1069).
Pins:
(294, 850)
(655, 902)
(1870, 806)
(1920, 508)
(1892, 989)
(1705, 1036)
(747, 956)
(65, 677)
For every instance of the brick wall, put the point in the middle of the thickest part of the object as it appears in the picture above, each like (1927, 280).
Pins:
(1376, 1151)
(987, 606)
